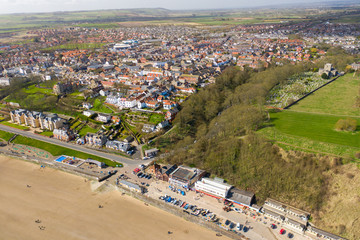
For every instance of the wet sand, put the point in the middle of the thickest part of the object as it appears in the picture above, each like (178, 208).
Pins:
(68, 209)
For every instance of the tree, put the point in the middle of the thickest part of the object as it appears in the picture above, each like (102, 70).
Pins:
(348, 124)
(324, 76)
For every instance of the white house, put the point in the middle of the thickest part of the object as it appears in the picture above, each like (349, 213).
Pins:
(5, 81)
(103, 117)
(88, 113)
(215, 188)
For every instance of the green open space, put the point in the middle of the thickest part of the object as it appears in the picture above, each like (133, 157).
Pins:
(87, 129)
(312, 132)
(336, 98)
(99, 106)
(33, 90)
(47, 133)
(14, 125)
(156, 118)
(5, 135)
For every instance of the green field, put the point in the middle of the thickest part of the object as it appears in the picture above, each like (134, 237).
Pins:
(337, 98)
(312, 132)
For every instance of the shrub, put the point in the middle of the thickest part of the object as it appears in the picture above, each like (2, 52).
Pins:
(324, 76)
(348, 124)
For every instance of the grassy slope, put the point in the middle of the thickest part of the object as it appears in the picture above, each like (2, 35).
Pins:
(99, 106)
(337, 98)
(341, 210)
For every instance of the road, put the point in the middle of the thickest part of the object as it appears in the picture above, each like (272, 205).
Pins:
(80, 148)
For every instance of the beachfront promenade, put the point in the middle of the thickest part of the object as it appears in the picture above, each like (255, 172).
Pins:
(80, 148)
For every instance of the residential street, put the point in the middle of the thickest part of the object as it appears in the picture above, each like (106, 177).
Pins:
(80, 148)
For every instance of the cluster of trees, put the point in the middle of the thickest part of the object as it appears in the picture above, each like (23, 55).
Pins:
(348, 124)
(215, 131)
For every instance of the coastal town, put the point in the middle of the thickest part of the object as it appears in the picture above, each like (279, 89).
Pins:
(113, 91)
(122, 87)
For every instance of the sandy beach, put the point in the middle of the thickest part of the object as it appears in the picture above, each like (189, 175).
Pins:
(68, 209)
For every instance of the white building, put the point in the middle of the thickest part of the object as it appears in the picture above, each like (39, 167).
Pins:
(4, 81)
(216, 188)
(88, 113)
(103, 117)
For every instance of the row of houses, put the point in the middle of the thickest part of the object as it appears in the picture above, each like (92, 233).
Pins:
(295, 219)
(100, 139)
(37, 119)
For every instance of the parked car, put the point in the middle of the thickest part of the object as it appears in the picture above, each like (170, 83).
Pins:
(237, 210)
(282, 231)
(290, 235)
(273, 226)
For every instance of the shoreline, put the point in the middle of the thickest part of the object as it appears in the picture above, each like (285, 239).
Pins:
(107, 188)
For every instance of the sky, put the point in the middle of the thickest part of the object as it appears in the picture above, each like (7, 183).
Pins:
(21, 6)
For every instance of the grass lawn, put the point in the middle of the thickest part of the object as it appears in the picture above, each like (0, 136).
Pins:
(156, 118)
(99, 106)
(47, 133)
(87, 129)
(6, 135)
(336, 98)
(75, 125)
(33, 89)
(312, 132)
(292, 142)
(14, 125)
(56, 150)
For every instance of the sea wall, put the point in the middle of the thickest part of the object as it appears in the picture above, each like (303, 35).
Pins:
(178, 212)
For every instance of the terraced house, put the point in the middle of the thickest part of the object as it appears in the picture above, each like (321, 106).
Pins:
(37, 119)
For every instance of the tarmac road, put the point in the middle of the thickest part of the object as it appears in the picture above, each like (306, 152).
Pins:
(80, 148)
